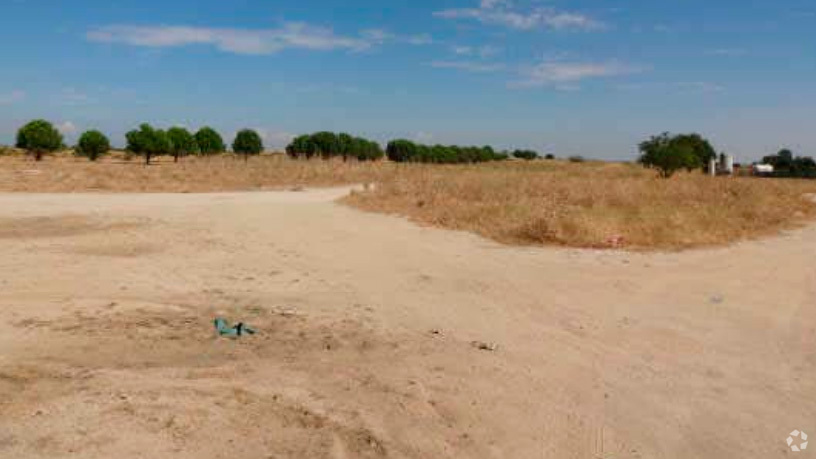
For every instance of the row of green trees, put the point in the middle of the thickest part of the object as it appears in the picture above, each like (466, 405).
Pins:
(40, 137)
(178, 142)
(328, 144)
(407, 151)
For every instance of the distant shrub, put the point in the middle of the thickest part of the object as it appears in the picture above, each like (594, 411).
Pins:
(182, 143)
(549, 156)
(328, 145)
(209, 141)
(247, 142)
(92, 145)
(39, 137)
(525, 154)
(576, 159)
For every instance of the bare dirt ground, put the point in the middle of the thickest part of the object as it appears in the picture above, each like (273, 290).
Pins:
(366, 328)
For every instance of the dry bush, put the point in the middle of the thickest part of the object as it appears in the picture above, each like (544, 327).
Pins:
(590, 204)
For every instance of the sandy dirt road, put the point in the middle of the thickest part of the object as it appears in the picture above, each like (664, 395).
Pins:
(366, 324)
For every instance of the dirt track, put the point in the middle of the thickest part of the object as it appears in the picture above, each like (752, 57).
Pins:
(366, 328)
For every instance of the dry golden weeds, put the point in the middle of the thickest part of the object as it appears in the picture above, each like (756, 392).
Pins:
(590, 204)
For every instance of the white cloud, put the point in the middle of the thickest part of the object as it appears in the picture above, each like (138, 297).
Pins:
(275, 140)
(729, 52)
(12, 98)
(240, 41)
(382, 36)
(469, 66)
(464, 50)
(682, 86)
(566, 75)
(70, 96)
(700, 86)
(481, 51)
(67, 127)
(423, 137)
(420, 39)
(503, 12)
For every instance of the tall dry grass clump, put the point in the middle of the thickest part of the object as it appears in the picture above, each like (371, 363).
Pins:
(592, 204)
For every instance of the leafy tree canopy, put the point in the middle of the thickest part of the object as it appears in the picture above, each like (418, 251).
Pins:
(39, 137)
(92, 145)
(668, 156)
(247, 142)
(182, 143)
(148, 142)
(209, 141)
(328, 144)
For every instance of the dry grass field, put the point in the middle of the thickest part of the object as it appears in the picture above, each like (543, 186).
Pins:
(592, 204)
(380, 338)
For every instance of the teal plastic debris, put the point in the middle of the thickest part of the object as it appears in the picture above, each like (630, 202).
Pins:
(223, 329)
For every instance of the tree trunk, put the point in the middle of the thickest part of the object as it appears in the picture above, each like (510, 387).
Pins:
(147, 159)
(38, 156)
(175, 158)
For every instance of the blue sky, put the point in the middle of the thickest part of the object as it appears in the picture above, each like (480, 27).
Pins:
(589, 77)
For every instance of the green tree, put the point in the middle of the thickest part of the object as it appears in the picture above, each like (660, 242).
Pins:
(182, 143)
(209, 141)
(39, 137)
(148, 142)
(549, 156)
(345, 145)
(401, 150)
(301, 146)
(326, 143)
(780, 161)
(700, 147)
(92, 145)
(667, 156)
(247, 142)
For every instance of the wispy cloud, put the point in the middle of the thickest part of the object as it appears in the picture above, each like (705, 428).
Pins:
(67, 127)
(275, 140)
(505, 13)
(481, 51)
(469, 66)
(12, 97)
(727, 52)
(680, 86)
(566, 75)
(382, 36)
(71, 96)
(241, 41)
(330, 88)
